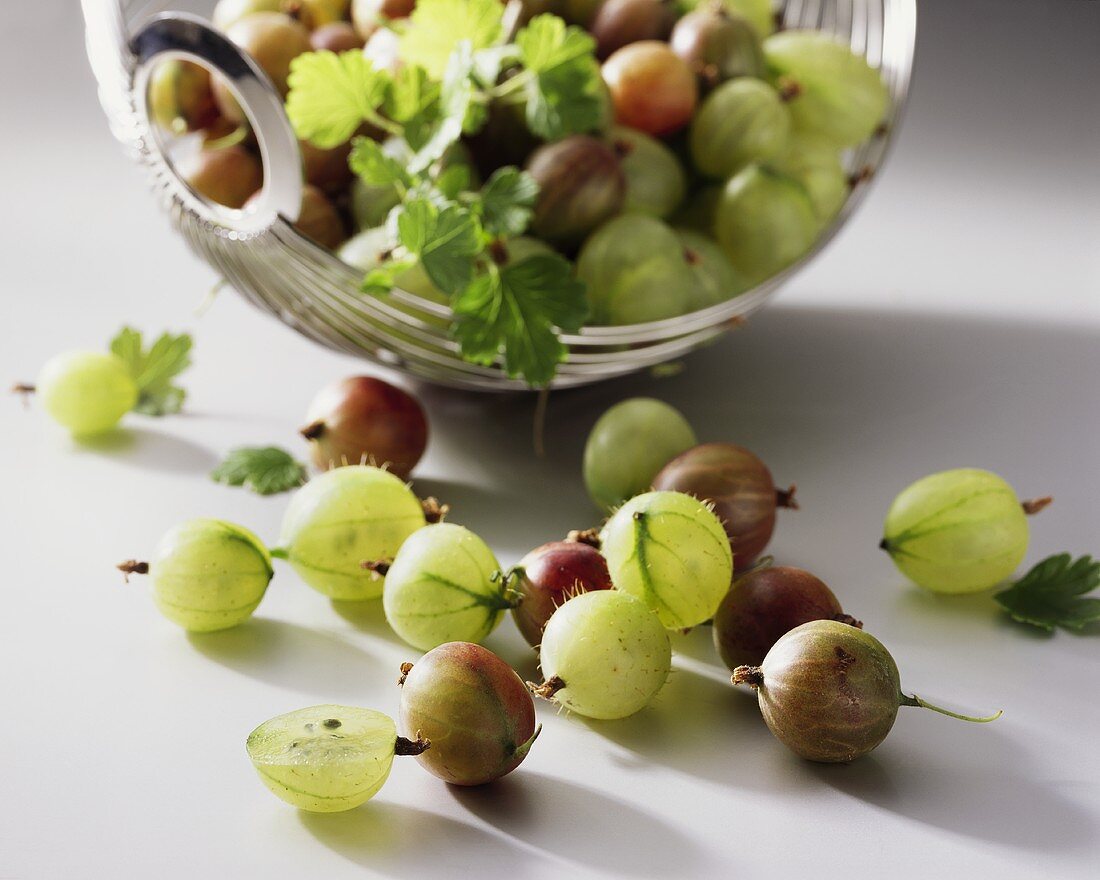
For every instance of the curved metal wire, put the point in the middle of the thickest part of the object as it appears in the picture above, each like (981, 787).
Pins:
(308, 288)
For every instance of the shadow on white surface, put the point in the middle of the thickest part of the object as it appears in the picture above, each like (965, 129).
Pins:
(149, 449)
(402, 842)
(980, 790)
(300, 658)
(581, 825)
(369, 618)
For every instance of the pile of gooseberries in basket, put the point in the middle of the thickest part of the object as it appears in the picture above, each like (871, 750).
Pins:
(684, 526)
(541, 165)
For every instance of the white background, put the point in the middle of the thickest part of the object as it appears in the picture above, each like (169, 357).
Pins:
(955, 322)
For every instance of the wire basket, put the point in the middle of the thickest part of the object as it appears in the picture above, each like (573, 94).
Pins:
(309, 288)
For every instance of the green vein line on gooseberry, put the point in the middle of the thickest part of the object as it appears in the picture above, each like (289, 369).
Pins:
(493, 602)
(907, 534)
(253, 604)
(641, 533)
(695, 521)
(914, 700)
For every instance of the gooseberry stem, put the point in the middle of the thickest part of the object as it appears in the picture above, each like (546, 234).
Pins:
(378, 568)
(411, 747)
(591, 537)
(434, 510)
(279, 553)
(914, 700)
(848, 619)
(406, 668)
(548, 688)
(313, 430)
(753, 676)
(23, 388)
(132, 566)
(1033, 505)
(785, 498)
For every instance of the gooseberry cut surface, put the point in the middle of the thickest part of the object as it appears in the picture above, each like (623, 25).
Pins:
(324, 759)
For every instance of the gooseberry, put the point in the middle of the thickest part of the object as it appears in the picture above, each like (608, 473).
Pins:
(365, 420)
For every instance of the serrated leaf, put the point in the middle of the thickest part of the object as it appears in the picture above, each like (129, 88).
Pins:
(1053, 593)
(564, 96)
(332, 95)
(371, 163)
(564, 101)
(266, 470)
(508, 201)
(154, 369)
(547, 43)
(516, 312)
(436, 26)
(444, 240)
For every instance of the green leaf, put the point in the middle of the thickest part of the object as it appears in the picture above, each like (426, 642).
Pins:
(332, 95)
(383, 278)
(452, 180)
(517, 310)
(413, 101)
(1051, 593)
(410, 93)
(154, 369)
(547, 43)
(437, 26)
(265, 470)
(565, 100)
(446, 241)
(456, 101)
(371, 163)
(565, 95)
(508, 201)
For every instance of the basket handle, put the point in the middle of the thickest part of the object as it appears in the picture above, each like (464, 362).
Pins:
(188, 37)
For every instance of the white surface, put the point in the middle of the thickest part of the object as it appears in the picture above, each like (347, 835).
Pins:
(123, 738)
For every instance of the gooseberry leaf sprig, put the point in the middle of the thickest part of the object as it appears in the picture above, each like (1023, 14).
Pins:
(266, 470)
(154, 369)
(454, 52)
(1053, 593)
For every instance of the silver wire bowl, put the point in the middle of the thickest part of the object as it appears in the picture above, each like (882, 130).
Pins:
(309, 288)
